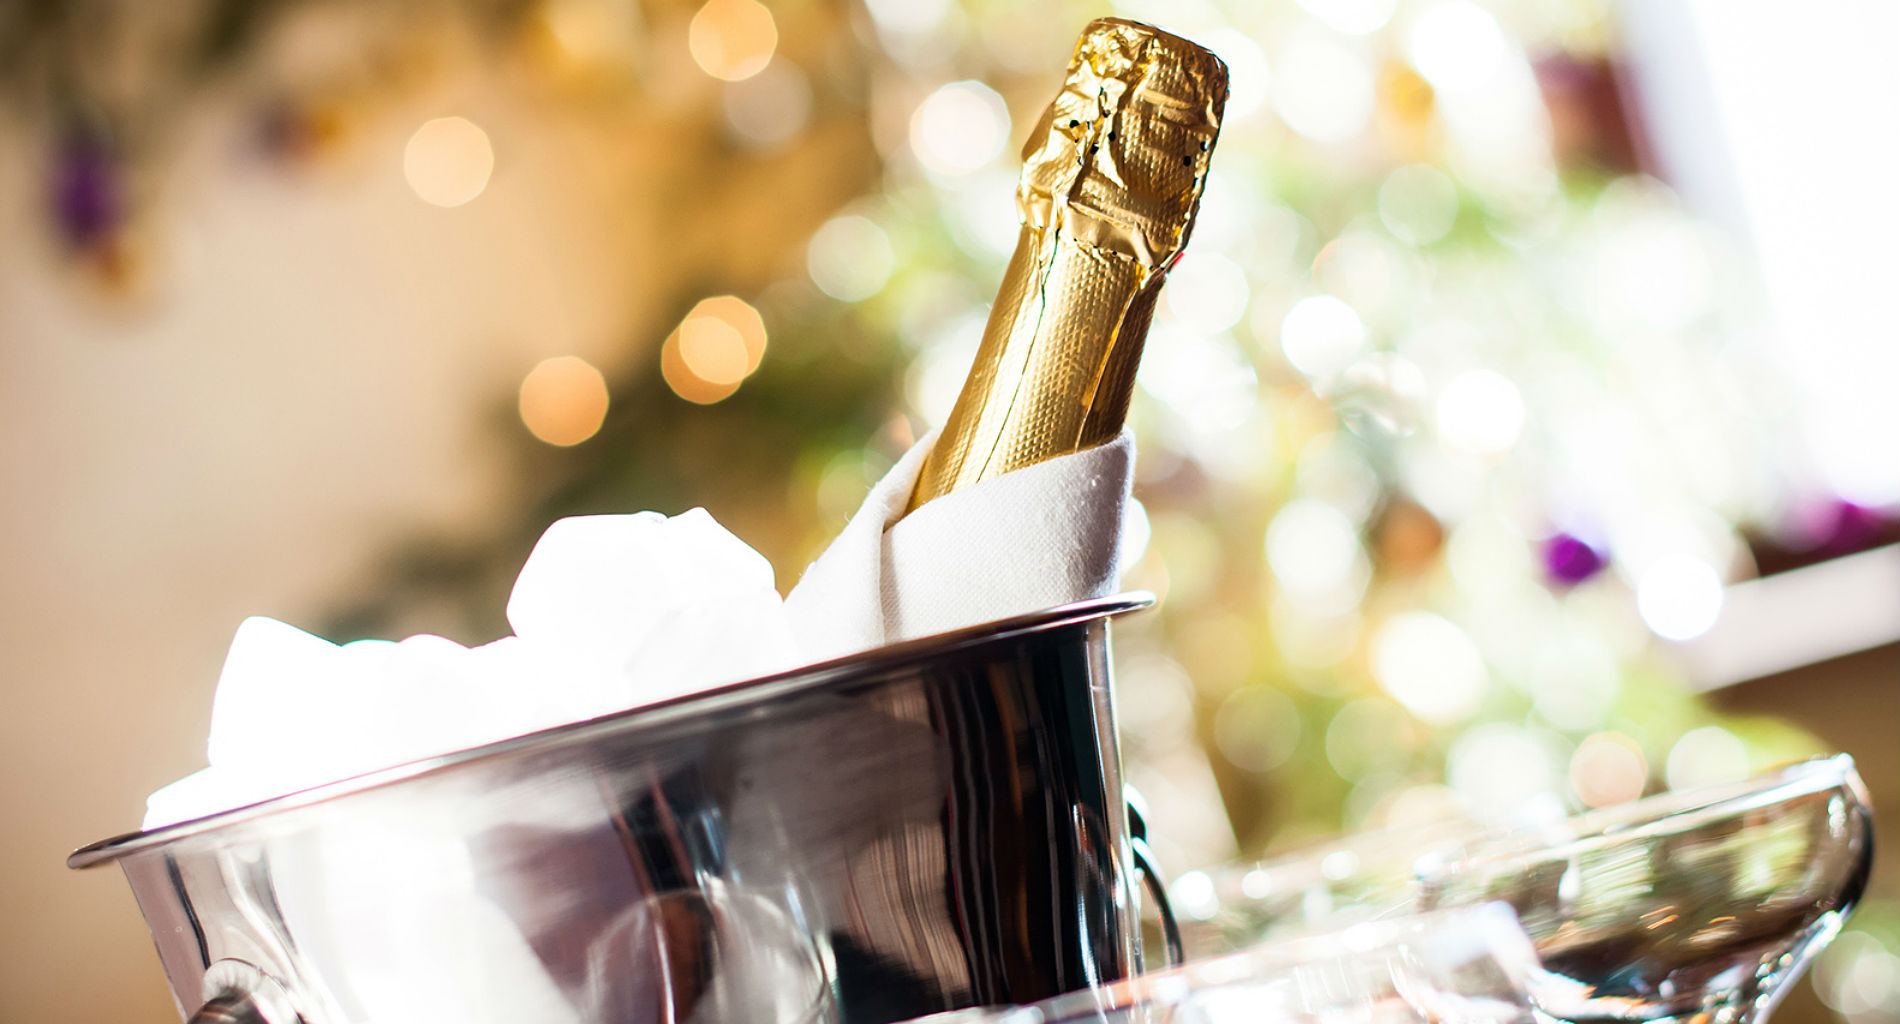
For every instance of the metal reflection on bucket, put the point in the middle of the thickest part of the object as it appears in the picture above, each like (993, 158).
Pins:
(925, 827)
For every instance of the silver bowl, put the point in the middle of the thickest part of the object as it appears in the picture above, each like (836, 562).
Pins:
(925, 827)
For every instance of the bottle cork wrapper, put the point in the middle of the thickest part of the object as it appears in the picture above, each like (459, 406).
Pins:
(1112, 177)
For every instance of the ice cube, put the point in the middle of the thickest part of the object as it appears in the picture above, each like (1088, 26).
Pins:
(275, 678)
(294, 711)
(598, 586)
(611, 612)
(707, 644)
(538, 685)
(425, 699)
(202, 792)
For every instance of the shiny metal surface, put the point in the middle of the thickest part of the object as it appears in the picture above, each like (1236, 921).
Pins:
(1112, 178)
(228, 1009)
(1152, 881)
(922, 828)
(236, 992)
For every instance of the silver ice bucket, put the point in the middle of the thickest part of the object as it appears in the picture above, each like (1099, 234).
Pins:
(925, 827)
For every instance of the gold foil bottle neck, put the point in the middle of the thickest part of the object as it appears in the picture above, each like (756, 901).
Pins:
(1112, 178)
(1121, 155)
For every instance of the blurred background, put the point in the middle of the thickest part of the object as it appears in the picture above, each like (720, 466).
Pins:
(1518, 436)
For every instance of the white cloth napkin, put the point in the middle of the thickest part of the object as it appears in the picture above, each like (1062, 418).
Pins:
(1037, 537)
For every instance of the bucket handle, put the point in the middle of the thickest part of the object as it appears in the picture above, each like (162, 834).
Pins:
(230, 1008)
(1151, 876)
(236, 992)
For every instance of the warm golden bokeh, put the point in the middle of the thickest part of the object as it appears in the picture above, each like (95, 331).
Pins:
(563, 400)
(448, 160)
(732, 40)
(718, 345)
(712, 350)
(1608, 768)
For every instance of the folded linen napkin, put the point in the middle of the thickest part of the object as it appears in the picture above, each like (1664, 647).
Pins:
(1037, 537)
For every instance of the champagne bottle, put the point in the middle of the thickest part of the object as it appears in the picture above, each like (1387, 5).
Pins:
(1112, 178)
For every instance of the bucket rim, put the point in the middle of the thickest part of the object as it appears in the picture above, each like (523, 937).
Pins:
(757, 690)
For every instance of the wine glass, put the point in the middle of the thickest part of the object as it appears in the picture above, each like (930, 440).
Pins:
(1359, 877)
(1465, 965)
(1700, 904)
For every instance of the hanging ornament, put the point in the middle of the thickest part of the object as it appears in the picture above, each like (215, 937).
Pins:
(1840, 526)
(88, 202)
(1569, 560)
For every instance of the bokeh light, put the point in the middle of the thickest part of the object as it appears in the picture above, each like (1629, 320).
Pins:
(1156, 691)
(1327, 92)
(1315, 554)
(1679, 596)
(1608, 768)
(1310, 638)
(732, 40)
(1504, 771)
(589, 32)
(1366, 270)
(1207, 293)
(1208, 385)
(713, 351)
(908, 17)
(1248, 74)
(1357, 17)
(1480, 412)
(771, 107)
(977, 207)
(1383, 392)
(1418, 203)
(1854, 452)
(1321, 335)
(850, 258)
(1654, 266)
(936, 376)
(1136, 532)
(1705, 757)
(1332, 468)
(716, 346)
(1573, 680)
(563, 400)
(1859, 978)
(1369, 736)
(447, 162)
(1257, 728)
(1430, 665)
(1457, 46)
(1194, 894)
(959, 128)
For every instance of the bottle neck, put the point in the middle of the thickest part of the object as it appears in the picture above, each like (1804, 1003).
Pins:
(1056, 367)
(1112, 177)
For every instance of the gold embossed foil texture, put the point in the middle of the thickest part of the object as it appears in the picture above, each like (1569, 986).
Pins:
(1112, 177)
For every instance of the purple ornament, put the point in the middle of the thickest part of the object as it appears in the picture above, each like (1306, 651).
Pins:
(87, 198)
(1569, 560)
(1843, 527)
